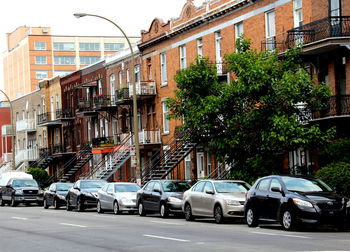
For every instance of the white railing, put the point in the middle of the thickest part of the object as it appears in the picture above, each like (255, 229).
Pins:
(26, 155)
(149, 137)
(6, 167)
(144, 88)
(6, 130)
(26, 125)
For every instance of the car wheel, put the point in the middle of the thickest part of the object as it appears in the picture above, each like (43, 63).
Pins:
(99, 208)
(251, 217)
(2, 202)
(116, 207)
(219, 218)
(163, 211)
(188, 213)
(56, 205)
(80, 207)
(141, 209)
(46, 206)
(288, 220)
(13, 202)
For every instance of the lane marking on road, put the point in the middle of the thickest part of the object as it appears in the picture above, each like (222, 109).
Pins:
(72, 225)
(54, 212)
(19, 218)
(285, 235)
(167, 223)
(165, 238)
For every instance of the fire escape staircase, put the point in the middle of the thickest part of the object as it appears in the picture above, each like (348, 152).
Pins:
(165, 160)
(43, 161)
(111, 162)
(219, 174)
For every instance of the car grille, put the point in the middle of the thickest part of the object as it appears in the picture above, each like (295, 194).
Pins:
(30, 191)
(330, 205)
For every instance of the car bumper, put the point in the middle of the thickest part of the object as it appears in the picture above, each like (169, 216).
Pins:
(174, 207)
(322, 217)
(28, 198)
(233, 211)
(127, 207)
(90, 202)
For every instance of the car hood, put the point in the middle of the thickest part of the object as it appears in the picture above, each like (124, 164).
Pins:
(232, 196)
(321, 196)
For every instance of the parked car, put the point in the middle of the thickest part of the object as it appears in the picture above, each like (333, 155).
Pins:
(21, 190)
(117, 197)
(220, 199)
(292, 200)
(83, 194)
(56, 195)
(162, 196)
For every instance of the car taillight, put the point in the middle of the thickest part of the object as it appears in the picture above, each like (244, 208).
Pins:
(246, 193)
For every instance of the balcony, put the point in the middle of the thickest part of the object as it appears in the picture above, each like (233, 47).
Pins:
(26, 125)
(26, 155)
(6, 130)
(323, 30)
(66, 114)
(86, 107)
(103, 142)
(48, 119)
(105, 102)
(337, 106)
(144, 90)
(146, 137)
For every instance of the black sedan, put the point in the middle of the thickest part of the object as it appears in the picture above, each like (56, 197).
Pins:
(292, 200)
(162, 196)
(56, 195)
(83, 194)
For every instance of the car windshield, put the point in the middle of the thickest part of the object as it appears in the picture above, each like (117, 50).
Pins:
(25, 183)
(305, 185)
(92, 184)
(175, 186)
(231, 187)
(126, 188)
(63, 187)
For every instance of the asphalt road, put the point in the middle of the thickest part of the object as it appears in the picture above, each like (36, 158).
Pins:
(36, 229)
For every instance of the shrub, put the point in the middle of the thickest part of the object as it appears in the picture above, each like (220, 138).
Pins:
(39, 175)
(337, 175)
(335, 151)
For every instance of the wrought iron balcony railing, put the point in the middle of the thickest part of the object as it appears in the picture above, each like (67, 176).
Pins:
(330, 27)
(338, 105)
(64, 114)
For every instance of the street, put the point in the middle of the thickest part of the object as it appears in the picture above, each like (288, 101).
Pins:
(36, 229)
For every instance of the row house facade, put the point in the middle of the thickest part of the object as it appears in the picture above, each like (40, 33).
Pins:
(95, 128)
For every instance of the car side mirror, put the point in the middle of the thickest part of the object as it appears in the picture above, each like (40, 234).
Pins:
(157, 190)
(276, 189)
(8, 186)
(76, 188)
(209, 192)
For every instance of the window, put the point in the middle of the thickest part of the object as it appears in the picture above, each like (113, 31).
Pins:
(39, 46)
(199, 187)
(149, 186)
(40, 74)
(218, 52)
(238, 31)
(64, 60)
(44, 143)
(57, 136)
(156, 186)
(163, 68)
(298, 12)
(263, 185)
(89, 130)
(270, 30)
(334, 8)
(40, 141)
(40, 60)
(182, 57)
(113, 46)
(120, 78)
(115, 126)
(199, 47)
(57, 103)
(89, 60)
(102, 131)
(127, 77)
(99, 84)
(63, 46)
(89, 46)
(275, 183)
(96, 129)
(208, 186)
(137, 73)
(208, 164)
(188, 166)
(112, 85)
(165, 120)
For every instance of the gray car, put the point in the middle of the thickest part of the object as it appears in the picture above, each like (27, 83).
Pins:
(117, 197)
(215, 198)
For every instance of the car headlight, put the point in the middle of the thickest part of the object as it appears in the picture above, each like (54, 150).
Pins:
(19, 191)
(232, 202)
(348, 203)
(302, 203)
(40, 191)
(126, 201)
(173, 199)
(61, 197)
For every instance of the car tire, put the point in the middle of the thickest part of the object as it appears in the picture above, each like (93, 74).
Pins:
(80, 207)
(99, 207)
(164, 213)
(251, 217)
(2, 202)
(56, 205)
(188, 213)
(141, 209)
(116, 208)
(13, 202)
(219, 217)
(288, 220)
(46, 206)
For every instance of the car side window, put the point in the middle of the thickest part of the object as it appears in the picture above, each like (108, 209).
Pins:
(208, 186)
(199, 187)
(104, 188)
(275, 183)
(110, 188)
(77, 184)
(149, 186)
(156, 186)
(263, 185)
(52, 188)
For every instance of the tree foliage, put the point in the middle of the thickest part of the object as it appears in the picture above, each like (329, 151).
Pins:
(39, 175)
(256, 118)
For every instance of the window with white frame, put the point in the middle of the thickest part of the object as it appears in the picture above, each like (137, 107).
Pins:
(163, 68)
(182, 57)
(106, 128)
(112, 85)
(238, 30)
(270, 30)
(208, 164)
(40, 141)
(113, 46)
(57, 102)
(137, 73)
(102, 130)
(99, 83)
(127, 77)
(44, 105)
(218, 52)
(88, 94)
(120, 78)
(96, 129)
(114, 126)
(89, 60)
(40, 74)
(63, 46)
(57, 136)
(39, 46)
(89, 130)
(40, 60)
(298, 12)
(45, 138)
(165, 119)
(188, 167)
(64, 60)
(334, 8)
(200, 47)
(89, 46)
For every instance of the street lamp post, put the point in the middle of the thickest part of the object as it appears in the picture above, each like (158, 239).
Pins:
(137, 148)
(13, 132)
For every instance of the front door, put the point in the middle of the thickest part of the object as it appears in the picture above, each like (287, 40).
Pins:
(200, 165)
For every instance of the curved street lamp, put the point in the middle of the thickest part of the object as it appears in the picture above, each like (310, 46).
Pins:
(137, 148)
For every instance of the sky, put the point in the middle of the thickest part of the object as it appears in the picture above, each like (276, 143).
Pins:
(131, 15)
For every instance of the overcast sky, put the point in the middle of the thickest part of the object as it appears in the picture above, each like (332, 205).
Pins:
(131, 15)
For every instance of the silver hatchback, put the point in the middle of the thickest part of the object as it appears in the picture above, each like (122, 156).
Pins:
(215, 198)
(117, 197)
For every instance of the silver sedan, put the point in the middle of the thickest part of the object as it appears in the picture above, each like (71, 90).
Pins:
(117, 197)
(215, 198)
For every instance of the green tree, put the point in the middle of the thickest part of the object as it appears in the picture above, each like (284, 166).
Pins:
(39, 175)
(259, 116)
